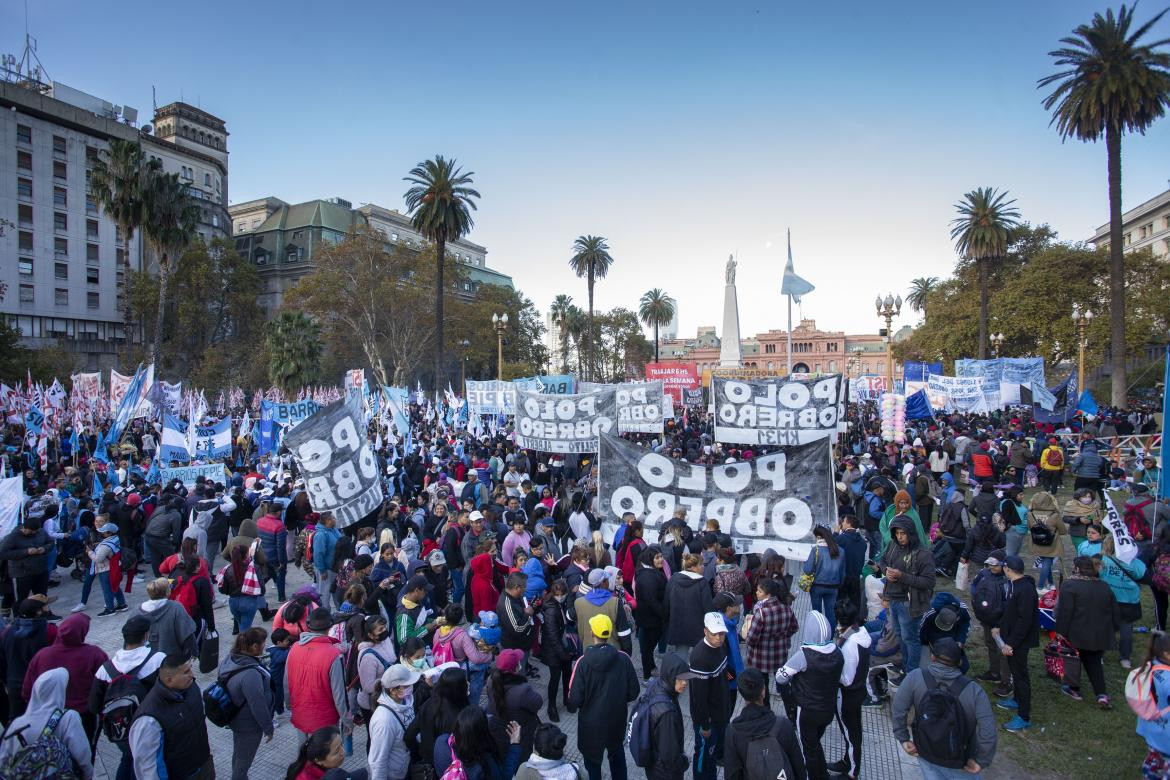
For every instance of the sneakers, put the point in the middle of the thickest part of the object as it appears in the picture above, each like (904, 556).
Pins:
(78, 608)
(52, 617)
(1002, 691)
(1104, 703)
(1072, 693)
(122, 608)
(1125, 664)
(988, 676)
(1007, 704)
(106, 612)
(895, 679)
(1017, 724)
(838, 766)
(139, 578)
(872, 701)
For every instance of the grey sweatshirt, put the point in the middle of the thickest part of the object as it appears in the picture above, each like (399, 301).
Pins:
(973, 700)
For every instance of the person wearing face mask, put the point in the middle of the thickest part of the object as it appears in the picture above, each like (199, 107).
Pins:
(375, 656)
(389, 757)
(559, 645)
(1080, 512)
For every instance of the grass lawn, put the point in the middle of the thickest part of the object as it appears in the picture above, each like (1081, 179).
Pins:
(1070, 739)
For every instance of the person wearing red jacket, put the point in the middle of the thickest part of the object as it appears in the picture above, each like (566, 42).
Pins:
(484, 594)
(71, 652)
(315, 676)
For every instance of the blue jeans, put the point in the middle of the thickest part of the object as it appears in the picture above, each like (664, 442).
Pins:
(243, 609)
(476, 678)
(935, 772)
(456, 585)
(1045, 571)
(824, 600)
(86, 586)
(907, 629)
(278, 574)
(114, 598)
(707, 752)
(1014, 542)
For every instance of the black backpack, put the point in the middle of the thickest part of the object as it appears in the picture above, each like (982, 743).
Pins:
(766, 760)
(638, 730)
(941, 728)
(123, 696)
(1042, 535)
(987, 600)
(217, 702)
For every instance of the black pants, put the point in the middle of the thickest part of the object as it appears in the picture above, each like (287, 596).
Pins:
(31, 583)
(1092, 665)
(647, 641)
(811, 725)
(851, 590)
(16, 703)
(1021, 683)
(849, 721)
(159, 547)
(1160, 604)
(559, 673)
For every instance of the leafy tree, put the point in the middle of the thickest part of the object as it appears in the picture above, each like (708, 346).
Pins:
(440, 203)
(169, 217)
(920, 290)
(622, 349)
(294, 351)
(656, 309)
(982, 232)
(121, 175)
(1113, 82)
(471, 321)
(561, 308)
(592, 261)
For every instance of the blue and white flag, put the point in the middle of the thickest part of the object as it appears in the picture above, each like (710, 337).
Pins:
(173, 444)
(34, 421)
(129, 403)
(154, 476)
(210, 441)
(397, 400)
(792, 284)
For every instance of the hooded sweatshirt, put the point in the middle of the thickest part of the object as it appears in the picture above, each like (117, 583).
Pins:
(688, 598)
(666, 722)
(814, 669)
(602, 685)
(19, 643)
(250, 687)
(484, 595)
(973, 699)
(171, 629)
(916, 583)
(389, 757)
(71, 653)
(47, 696)
(756, 722)
(537, 767)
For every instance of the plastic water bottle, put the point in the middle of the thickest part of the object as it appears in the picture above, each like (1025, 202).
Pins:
(1141, 629)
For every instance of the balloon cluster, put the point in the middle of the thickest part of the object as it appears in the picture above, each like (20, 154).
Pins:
(894, 417)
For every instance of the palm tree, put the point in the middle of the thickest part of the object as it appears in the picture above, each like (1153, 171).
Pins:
(591, 259)
(440, 203)
(656, 309)
(561, 306)
(294, 351)
(170, 216)
(1114, 83)
(920, 290)
(117, 183)
(576, 324)
(981, 233)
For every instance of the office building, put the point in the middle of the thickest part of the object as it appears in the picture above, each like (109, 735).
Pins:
(1146, 225)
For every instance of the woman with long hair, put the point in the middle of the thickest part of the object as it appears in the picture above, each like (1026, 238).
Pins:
(650, 607)
(512, 698)
(375, 654)
(439, 713)
(293, 615)
(248, 682)
(474, 746)
(192, 585)
(826, 564)
(321, 757)
(243, 607)
(559, 644)
(630, 550)
(1087, 615)
(1124, 579)
(598, 552)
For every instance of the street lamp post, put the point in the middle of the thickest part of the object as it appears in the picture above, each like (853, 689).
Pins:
(500, 322)
(996, 342)
(887, 309)
(1082, 318)
(464, 344)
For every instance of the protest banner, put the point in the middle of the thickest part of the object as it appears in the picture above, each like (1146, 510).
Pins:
(398, 402)
(337, 461)
(274, 416)
(88, 387)
(1126, 548)
(777, 411)
(11, 497)
(867, 388)
(914, 373)
(773, 501)
(491, 397)
(564, 423)
(214, 472)
(640, 407)
(675, 377)
(559, 384)
(118, 385)
(210, 441)
(691, 396)
(958, 393)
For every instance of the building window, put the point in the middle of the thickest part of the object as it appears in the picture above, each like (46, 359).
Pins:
(25, 266)
(25, 241)
(92, 276)
(394, 236)
(91, 229)
(61, 296)
(60, 197)
(24, 160)
(865, 368)
(90, 206)
(26, 293)
(92, 300)
(255, 222)
(61, 272)
(60, 222)
(91, 155)
(832, 365)
(60, 171)
(298, 235)
(91, 254)
(24, 215)
(1166, 222)
(61, 247)
(23, 134)
(24, 189)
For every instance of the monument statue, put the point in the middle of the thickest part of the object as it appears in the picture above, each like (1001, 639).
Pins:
(731, 269)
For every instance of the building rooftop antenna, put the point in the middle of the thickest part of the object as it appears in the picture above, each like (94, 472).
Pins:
(29, 72)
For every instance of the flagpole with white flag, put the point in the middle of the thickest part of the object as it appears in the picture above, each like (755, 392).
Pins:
(793, 287)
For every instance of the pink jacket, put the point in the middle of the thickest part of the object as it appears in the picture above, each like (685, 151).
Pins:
(462, 645)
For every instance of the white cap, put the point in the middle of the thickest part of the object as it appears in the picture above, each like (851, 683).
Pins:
(713, 622)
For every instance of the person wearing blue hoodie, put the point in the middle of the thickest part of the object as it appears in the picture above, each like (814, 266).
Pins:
(808, 684)
(730, 605)
(947, 617)
(600, 600)
(826, 564)
(534, 568)
(1124, 579)
(324, 542)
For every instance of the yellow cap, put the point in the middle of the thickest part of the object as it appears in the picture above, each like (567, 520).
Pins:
(601, 626)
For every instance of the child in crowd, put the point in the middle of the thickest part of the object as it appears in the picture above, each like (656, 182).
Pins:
(277, 655)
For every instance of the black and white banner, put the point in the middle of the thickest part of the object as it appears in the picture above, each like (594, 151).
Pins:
(772, 501)
(564, 423)
(778, 411)
(337, 462)
(640, 407)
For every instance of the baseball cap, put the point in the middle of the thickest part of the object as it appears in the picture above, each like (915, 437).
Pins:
(993, 560)
(108, 528)
(399, 675)
(601, 626)
(945, 619)
(436, 558)
(596, 577)
(1014, 562)
(416, 582)
(713, 622)
(947, 649)
(476, 515)
(509, 660)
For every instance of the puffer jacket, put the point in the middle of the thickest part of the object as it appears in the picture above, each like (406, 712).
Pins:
(688, 598)
(1043, 509)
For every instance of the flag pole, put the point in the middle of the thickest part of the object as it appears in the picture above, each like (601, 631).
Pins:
(789, 297)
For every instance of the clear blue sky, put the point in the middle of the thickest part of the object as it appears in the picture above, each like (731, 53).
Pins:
(681, 131)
